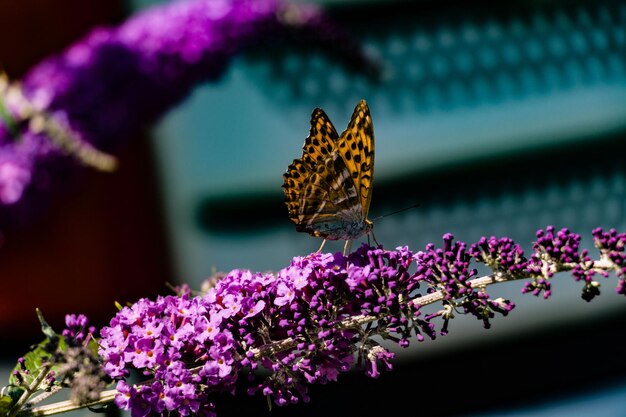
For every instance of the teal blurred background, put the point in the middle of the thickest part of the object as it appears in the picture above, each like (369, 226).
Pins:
(479, 118)
(497, 118)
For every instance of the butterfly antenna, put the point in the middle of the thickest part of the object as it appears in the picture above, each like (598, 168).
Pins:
(373, 238)
(395, 212)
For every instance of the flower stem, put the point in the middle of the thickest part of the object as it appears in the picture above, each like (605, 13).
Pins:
(270, 349)
(355, 322)
(32, 387)
(66, 406)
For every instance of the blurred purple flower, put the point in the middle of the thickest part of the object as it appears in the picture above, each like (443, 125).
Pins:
(116, 81)
(15, 171)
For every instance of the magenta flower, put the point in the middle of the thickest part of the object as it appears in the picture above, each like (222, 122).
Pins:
(116, 81)
(378, 356)
(284, 294)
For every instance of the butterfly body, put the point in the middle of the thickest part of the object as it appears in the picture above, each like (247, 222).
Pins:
(328, 191)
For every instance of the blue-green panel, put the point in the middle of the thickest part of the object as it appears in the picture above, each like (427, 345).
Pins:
(497, 120)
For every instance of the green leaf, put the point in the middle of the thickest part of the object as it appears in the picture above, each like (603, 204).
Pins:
(6, 403)
(39, 356)
(52, 336)
(269, 402)
(93, 346)
(33, 362)
(37, 360)
(13, 392)
(8, 120)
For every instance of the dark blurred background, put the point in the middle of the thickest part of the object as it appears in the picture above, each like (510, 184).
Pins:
(499, 118)
(102, 240)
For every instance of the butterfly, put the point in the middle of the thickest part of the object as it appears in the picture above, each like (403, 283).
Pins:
(328, 191)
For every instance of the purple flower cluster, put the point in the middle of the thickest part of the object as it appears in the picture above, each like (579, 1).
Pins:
(561, 246)
(501, 254)
(77, 328)
(305, 324)
(308, 322)
(611, 245)
(78, 364)
(116, 81)
(448, 270)
(68, 362)
(166, 339)
(301, 324)
(555, 251)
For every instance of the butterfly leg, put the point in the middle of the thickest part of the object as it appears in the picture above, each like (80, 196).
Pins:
(321, 246)
(347, 247)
